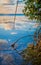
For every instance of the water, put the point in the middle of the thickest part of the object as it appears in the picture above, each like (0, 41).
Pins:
(22, 35)
(11, 14)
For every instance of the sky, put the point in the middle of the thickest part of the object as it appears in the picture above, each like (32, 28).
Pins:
(8, 1)
(10, 9)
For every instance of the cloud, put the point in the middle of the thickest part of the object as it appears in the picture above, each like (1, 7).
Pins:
(36, 25)
(4, 1)
(6, 26)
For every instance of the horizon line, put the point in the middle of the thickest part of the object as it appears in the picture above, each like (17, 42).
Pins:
(12, 15)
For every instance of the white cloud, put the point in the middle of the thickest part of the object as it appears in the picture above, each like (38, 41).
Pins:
(6, 26)
(4, 1)
(36, 25)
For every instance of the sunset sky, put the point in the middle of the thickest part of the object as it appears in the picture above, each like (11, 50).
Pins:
(7, 1)
(6, 7)
(10, 9)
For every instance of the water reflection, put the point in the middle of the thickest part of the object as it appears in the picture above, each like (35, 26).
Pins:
(9, 35)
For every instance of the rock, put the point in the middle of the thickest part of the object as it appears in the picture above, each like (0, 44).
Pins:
(7, 59)
(31, 46)
(3, 45)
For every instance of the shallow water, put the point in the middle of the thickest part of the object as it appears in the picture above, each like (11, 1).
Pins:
(22, 35)
(18, 33)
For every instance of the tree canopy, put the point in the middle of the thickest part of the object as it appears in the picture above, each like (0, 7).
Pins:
(32, 9)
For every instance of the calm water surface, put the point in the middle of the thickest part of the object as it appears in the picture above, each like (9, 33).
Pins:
(20, 35)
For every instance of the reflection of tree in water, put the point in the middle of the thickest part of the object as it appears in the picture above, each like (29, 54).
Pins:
(37, 35)
(32, 54)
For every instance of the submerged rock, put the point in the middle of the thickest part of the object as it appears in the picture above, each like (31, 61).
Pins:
(6, 59)
(3, 45)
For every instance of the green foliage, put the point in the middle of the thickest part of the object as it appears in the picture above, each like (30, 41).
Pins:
(37, 61)
(32, 55)
(32, 9)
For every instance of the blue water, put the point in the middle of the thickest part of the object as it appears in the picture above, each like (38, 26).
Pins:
(11, 14)
(22, 35)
